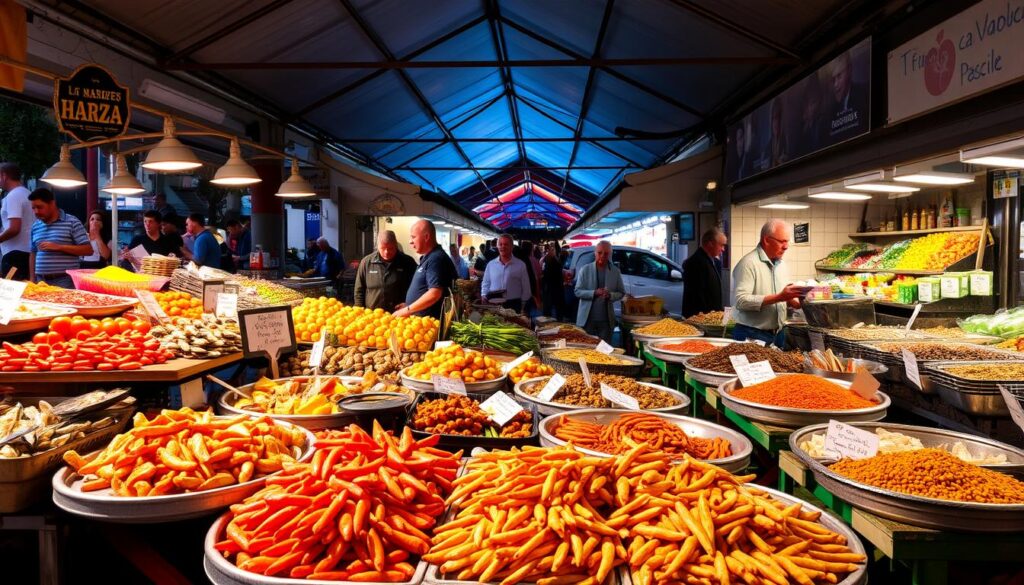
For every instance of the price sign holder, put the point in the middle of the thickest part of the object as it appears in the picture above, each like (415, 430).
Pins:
(910, 366)
(864, 384)
(267, 332)
(501, 408)
(446, 385)
(585, 371)
(10, 298)
(150, 306)
(211, 288)
(845, 441)
(755, 373)
(509, 366)
(620, 398)
(549, 390)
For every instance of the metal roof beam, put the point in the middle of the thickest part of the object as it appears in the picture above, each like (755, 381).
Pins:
(524, 168)
(225, 31)
(607, 69)
(410, 84)
(501, 50)
(541, 111)
(731, 26)
(588, 91)
(487, 140)
(401, 65)
(363, 80)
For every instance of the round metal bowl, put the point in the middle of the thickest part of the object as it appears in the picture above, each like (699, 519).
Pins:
(547, 408)
(876, 369)
(641, 320)
(916, 510)
(628, 366)
(655, 347)
(220, 571)
(313, 422)
(693, 427)
(485, 387)
(707, 377)
(106, 506)
(799, 417)
(637, 336)
(930, 438)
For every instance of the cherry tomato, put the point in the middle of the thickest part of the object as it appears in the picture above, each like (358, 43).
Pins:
(123, 324)
(79, 324)
(141, 326)
(61, 326)
(54, 338)
(110, 327)
(40, 338)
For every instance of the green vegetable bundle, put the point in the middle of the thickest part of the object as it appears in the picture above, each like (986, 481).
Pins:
(494, 333)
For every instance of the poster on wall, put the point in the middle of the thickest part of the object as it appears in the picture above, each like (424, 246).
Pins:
(978, 50)
(830, 106)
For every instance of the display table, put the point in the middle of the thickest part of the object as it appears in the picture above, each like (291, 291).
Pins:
(927, 552)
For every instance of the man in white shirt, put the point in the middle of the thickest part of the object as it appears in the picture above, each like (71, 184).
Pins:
(16, 220)
(506, 278)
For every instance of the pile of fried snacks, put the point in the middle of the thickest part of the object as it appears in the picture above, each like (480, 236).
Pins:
(627, 430)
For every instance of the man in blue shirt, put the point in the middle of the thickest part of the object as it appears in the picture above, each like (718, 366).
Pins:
(58, 241)
(243, 243)
(329, 262)
(433, 278)
(205, 250)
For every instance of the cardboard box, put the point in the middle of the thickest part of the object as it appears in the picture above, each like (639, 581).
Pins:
(955, 285)
(929, 289)
(981, 283)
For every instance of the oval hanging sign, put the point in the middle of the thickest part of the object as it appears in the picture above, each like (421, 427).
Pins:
(90, 105)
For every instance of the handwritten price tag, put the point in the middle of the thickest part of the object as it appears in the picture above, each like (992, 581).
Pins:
(150, 305)
(440, 344)
(738, 361)
(585, 371)
(726, 316)
(10, 298)
(446, 385)
(613, 395)
(759, 342)
(843, 440)
(605, 348)
(500, 408)
(755, 373)
(549, 390)
(910, 366)
(508, 367)
(227, 305)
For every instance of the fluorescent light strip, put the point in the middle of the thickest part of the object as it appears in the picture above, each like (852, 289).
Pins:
(840, 196)
(784, 206)
(997, 161)
(883, 188)
(935, 178)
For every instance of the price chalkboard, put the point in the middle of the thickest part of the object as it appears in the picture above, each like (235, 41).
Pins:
(801, 233)
(267, 332)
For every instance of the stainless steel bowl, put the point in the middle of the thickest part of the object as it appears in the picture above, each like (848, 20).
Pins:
(798, 417)
(693, 427)
(548, 408)
(655, 347)
(313, 422)
(876, 369)
(644, 337)
(486, 387)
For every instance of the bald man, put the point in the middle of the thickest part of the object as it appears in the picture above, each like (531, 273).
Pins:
(433, 278)
(384, 276)
(760, 292)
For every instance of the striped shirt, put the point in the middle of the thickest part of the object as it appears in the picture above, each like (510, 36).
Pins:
(66, 229)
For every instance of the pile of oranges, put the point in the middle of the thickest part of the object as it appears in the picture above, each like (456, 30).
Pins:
(455, 362)
(180, 304)
(531, 368)
(361, 327)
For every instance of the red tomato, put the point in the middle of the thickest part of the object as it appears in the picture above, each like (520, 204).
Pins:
(83, 334)
(79, 324)
(109, 327)
(40, 338)
(53, 338)
(141, 326)
(95, 326)
(62, 326)
(123, 324)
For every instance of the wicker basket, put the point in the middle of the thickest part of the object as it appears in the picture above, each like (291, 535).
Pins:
(566, 368)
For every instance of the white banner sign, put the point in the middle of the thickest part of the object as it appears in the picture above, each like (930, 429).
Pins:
(975, 51)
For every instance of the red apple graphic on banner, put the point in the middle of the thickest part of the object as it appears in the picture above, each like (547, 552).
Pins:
(939, 66)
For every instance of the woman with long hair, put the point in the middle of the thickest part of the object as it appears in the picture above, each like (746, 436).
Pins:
(99, 232)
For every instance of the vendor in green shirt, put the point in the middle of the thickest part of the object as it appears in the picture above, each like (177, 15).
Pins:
(760, 293)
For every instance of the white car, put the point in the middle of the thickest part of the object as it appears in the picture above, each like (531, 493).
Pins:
(643, 273)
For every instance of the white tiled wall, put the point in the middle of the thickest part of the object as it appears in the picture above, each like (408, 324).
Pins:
(829, 225)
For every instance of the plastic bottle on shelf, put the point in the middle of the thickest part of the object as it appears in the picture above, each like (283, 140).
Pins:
(915, 220)
(905, 224)
(947, 214)
(931, 217)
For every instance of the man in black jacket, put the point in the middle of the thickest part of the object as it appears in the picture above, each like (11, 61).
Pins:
(702, 278)
(384, 276)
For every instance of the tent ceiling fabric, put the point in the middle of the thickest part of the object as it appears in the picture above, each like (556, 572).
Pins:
(474, 133)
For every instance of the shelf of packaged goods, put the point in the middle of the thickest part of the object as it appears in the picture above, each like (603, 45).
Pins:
(966, 228)
(821, 268)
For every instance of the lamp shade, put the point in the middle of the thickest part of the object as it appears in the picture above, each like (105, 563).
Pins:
(296, 186)
(63, 174)
(123, 182)
(236, 172)
(170, 155)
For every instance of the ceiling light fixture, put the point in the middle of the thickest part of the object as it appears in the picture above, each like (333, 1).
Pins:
(883, 188)
(170, 155)
(296, 186)
(1009, 153)
(63, 174)
(123, 182)
(840, 196)
(236, 172)
(789, 206)
(936, 178)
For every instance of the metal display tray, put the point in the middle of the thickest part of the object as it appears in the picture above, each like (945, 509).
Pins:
(548, 408)
(707, 377)
(655, 347)
(853, 541)
(486, 387)
(645, 337)
(313, 422)
(468, 442)
(916, 510)
(222, 572)
(929, 437)
(799, 417)
(105, 506)
(693, 427)
(979, 397)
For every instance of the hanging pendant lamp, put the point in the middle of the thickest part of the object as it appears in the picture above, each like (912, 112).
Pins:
(296, 186)
(236, 172)
(63, 174)
(123, 182)
(170, 155)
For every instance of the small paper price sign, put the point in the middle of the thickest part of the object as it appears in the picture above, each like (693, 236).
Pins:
(910, 366)
(211, 290)
(817, 341)
(759, 342)
(726, 315)
(192, 394)
(548, 331)
(150, 305)
(549, 390)
(585, 371)
(10, 298)
(1013, 402)
(843, 440)
(738, 361)
(559, 344)
(509, 366)
(267, 332)
(864, 384)
(620, 398)
(755, 373)
(446, 385)
(227, 305)
(316, 355)
(500, 408)
(605, 348)
(440, 344)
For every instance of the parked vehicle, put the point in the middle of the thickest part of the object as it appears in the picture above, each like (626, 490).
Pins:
(643, 273)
